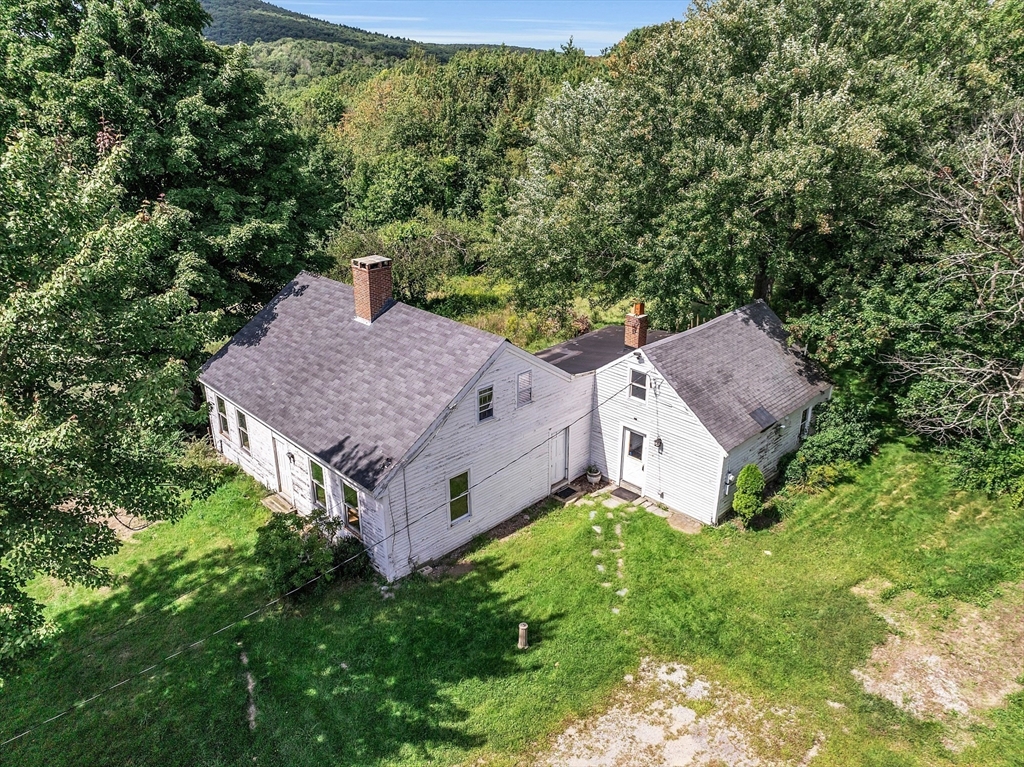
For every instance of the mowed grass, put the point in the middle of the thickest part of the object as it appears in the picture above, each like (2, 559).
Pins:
(433, 676)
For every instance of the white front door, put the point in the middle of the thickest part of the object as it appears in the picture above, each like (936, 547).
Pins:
(558, 458)
(283, 468)
(634, 446)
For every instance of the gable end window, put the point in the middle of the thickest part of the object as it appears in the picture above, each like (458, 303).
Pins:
(485, 403)
(243, 430)
(638, 384)
(524, 388)
(458, 496)
(351, 507)
(222, 416)
(317, 489)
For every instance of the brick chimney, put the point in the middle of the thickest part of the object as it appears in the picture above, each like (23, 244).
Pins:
(371, 281)
(636, 327)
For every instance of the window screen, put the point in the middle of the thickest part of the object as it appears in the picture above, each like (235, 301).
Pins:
(222, 416)
(638, 384)
(524, 388)
(485, 403)
(351, 507)
(318, 491)
(458, 496)
(243, 430)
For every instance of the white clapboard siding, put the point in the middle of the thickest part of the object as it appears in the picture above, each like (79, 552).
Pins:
(258, 463)
(506, 456)
(764, 450)
(685, 474)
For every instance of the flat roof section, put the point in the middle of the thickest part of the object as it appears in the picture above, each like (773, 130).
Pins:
(594, 349)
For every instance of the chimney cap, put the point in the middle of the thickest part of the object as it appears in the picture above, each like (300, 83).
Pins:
(638, 308)
(370, 262)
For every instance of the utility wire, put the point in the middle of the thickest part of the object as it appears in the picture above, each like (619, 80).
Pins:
(273, 602)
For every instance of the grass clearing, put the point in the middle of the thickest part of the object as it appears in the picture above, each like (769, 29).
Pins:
(433, 676)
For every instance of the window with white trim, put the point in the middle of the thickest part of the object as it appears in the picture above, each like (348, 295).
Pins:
(458, 496)
(524, 388)
(318, 490)
(638, 384)
(351, 498)
(222, 416)
(243, 430)
(485, 403)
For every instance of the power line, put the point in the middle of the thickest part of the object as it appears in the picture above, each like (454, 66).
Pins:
(274, 601)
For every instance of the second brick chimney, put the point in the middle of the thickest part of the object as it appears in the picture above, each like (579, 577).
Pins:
(371, 282)
(636, 327)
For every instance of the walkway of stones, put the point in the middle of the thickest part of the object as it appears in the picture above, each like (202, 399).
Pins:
(607, 515)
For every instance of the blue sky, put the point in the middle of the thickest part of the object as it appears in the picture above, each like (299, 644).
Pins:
(593, 24)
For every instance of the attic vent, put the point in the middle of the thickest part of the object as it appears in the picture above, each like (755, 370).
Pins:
(763, 417)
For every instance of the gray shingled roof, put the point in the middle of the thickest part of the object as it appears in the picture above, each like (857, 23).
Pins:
(593, 350)
(356, 396)
(737, 372)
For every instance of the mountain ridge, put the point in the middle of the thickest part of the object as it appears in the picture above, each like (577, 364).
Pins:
(251, 21)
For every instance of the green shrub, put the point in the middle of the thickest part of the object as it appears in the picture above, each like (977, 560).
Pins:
(845, 434)
(748, 500)
(994, 466)
(293, 550)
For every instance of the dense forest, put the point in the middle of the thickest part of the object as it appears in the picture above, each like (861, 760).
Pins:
(858, 165)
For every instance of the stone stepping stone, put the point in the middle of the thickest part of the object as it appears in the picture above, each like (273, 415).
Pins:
(597, 529)
(618, 530)
(595, 553)
(622, 592)
(612, 503)
(593, 514)
(615, 610)
(600, 568)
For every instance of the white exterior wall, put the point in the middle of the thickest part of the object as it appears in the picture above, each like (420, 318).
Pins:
(686, 473)
(295, 480)
(764, 450)
(506, 456)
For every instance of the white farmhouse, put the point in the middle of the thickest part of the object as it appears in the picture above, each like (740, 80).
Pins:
(420, 432)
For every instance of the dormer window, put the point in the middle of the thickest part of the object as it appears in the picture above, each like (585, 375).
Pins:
(485, 403)
(638, 384)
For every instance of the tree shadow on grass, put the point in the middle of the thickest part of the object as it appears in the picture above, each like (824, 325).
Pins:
(383, 680)
(348, 678)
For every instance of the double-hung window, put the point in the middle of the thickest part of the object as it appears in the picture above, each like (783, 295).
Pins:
(222, 416)
(485, 403)
(351, 507)
(458, 496)
(638, 384)
(805, 423)
(318, 489)
(524, 388)
(243, 430)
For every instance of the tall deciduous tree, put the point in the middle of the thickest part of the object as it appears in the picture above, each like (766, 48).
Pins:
(96, 325)
(967, 372)
(194, 125)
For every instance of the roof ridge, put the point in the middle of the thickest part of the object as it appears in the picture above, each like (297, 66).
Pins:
(692, 331)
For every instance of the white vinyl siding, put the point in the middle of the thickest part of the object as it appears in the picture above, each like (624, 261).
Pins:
(508, 461)
(684, 472)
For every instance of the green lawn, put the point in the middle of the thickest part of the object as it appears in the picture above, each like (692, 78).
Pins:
(433, 677)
